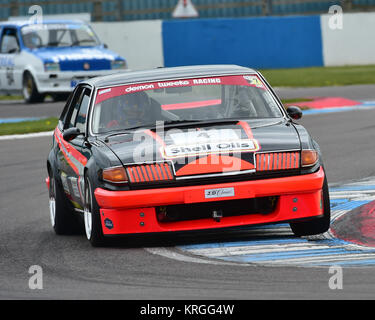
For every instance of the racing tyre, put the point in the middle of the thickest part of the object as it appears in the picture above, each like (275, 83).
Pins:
(318, 225)
(93, 225)
(62, 217)
(29, 89)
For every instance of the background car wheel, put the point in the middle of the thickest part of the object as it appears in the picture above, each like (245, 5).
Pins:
(30, 90)
(93, 225)
(316, 226)
(62, 217)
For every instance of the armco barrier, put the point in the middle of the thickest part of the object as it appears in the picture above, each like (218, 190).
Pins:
(140, 42)
(270, 42)
(354, 44)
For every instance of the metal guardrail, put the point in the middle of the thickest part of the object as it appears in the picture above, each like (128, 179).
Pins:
(122, 10)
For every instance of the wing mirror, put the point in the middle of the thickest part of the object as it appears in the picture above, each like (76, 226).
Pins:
(71, 133)
(294, 112)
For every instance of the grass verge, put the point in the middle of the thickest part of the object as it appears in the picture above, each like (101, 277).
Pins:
(10, 97)
(320, 76)
(47, 124)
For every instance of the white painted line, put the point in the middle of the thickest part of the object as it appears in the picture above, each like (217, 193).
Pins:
(321, 259)
(26, 136)
(234, 251)
(167, 253)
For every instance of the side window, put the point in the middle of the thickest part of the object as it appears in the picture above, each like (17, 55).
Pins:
(74, 107)
(9, 41)
(66, 108)
(82, 113)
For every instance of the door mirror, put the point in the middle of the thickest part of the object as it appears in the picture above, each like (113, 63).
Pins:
(294, 112)
(71, 133)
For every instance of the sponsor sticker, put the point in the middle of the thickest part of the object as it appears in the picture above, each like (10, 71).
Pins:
(228, 146)
(213, 135)
(254, 81)
(104, 91)
(108, 223)
(219, 193)
(238, 80)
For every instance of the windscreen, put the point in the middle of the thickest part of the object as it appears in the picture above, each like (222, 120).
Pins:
(199, 99)
(58, 35)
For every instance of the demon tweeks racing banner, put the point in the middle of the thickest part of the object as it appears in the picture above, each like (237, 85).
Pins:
(240, 80)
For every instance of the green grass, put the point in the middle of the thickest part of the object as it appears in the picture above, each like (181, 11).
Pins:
(320, 76)
(47, 124)
(10, 97)
(288, 101)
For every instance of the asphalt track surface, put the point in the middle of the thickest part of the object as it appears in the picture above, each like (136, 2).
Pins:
(72, 269)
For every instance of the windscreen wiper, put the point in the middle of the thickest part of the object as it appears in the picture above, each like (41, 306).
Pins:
(208, 121)
(126, 130)
(171, 123)
(150, 126)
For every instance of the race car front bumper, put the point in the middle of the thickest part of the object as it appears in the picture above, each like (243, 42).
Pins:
(133, 212)
(65, 81)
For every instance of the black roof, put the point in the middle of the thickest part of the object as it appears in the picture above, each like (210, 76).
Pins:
(167, 73)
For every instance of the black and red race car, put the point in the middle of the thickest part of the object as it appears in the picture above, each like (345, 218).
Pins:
(181, 149)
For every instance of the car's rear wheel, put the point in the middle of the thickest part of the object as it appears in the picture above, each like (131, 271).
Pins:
(317, 225)
(29, 89)
(63, 219)
(93, 225)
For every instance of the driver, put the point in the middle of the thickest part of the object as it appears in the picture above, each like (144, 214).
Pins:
(132, 109)
(242, 105)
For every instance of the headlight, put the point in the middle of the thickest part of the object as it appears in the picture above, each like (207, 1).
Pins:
(309, 158)
(52, 67)
(118, 64)
(115, 175)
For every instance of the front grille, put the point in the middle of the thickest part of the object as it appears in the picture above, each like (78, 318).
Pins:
(204, 210)
(277, 161)
(149, 173)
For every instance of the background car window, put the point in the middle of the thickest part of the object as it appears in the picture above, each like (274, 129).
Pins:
(82, 113)
(9, 42)
(58, 35)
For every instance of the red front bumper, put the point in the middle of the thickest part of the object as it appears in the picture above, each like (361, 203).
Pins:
(125, 212)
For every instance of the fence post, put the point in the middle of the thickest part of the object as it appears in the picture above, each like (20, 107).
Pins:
(97, 12)
(266, 7)
(347, 5)
(14, 6)
(120, 10)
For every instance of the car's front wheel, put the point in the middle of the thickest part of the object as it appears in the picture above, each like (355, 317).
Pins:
(29, 89)
(317, 225)
(93, 226)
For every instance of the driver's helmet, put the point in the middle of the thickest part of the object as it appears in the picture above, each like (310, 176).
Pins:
(133, 108)
(242, 104)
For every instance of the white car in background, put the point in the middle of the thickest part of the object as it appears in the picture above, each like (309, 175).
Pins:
(51, 58)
